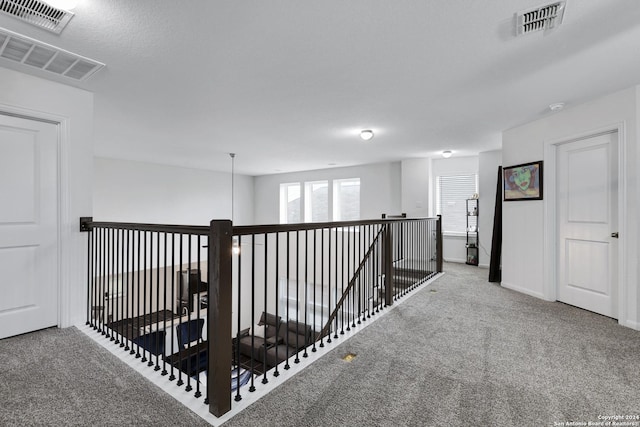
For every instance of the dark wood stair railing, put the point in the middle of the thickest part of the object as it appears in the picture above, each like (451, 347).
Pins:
(136, 280)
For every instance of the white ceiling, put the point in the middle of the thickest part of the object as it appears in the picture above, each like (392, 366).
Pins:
(287, 84)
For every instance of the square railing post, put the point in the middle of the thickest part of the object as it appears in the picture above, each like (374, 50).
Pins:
(219, 317)
(388, 264)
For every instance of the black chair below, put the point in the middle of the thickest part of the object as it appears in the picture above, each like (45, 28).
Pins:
(189, 332)
(192, 356)
(153, 342)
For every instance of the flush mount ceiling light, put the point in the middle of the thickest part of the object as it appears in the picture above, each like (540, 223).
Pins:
(557, 106)
(447, 154)
(366, 134)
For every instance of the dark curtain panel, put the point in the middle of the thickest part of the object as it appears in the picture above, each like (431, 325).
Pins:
(495, 272)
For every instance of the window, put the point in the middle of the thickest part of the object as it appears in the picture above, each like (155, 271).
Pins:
(320, 201)
(346, 199)
(451, 195)
(290, 206)
(316, 201)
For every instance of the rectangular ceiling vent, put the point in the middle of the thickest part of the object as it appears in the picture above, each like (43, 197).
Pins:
(38, 13)
(541, 18)
(26, 51)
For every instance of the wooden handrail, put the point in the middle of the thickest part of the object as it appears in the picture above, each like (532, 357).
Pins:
(281, 228)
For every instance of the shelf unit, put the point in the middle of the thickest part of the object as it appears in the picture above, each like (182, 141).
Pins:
(473, 241)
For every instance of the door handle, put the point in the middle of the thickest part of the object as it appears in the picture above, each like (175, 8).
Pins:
(614, 235)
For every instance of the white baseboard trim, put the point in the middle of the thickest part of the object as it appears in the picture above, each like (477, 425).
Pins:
(631, 324)
(459, 261)
(523, 290)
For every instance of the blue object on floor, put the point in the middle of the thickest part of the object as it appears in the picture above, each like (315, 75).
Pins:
(239, 380)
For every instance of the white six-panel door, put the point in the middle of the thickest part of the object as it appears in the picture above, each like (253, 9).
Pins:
(587, 199)
(28, 225)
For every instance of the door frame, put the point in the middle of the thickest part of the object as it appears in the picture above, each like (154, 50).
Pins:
(550, 213)
(64, 231)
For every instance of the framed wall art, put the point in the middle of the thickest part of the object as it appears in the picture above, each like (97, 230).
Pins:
(523, 182)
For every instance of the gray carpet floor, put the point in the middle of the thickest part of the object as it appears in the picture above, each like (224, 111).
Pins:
(61, 377)
(465, 352)
(460, 352)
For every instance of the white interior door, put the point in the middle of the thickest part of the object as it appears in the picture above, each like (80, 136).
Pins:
(587, 200)
(28, 225)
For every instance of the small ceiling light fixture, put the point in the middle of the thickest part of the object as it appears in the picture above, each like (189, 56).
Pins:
(366, 134)
(447, 154)
(556, 106)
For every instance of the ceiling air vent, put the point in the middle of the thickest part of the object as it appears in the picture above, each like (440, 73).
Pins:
(24, 50)
(38, 13)
(540, 18)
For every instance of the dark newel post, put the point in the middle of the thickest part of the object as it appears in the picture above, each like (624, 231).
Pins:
(388, 265)
(219, 318)
(439, 248)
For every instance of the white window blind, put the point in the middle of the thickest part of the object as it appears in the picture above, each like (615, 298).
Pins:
(451, 195)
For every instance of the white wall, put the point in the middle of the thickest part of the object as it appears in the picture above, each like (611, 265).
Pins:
(73, 108)
(523, 261)
(149, 193)
(488, 163)
(415, 187)
(453, 245)
(380, 189)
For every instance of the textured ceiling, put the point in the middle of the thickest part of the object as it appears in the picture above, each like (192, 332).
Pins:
(287, 84)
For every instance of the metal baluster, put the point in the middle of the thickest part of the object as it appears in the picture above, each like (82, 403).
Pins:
(297, 359)
(252, 387)
(89, 271)
(181, 283)
(354, 290)
(361, 280)
(266, 305)
(277, 300)
(239, 309)
(173, 301)
(286, 363)
(123, 292)
(347, 278)
(101, 300)
(198, 393)
(342, 257)
(145, 271)
(164, 305)
(306, 291)
(322, 257)
(138, 268)
(335, 295)
(157, 349)
(315, 281)
(130, 288)
(115, 292)
(189, 303)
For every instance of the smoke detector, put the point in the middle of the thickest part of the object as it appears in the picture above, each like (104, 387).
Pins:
(540, 18)
(36, 54)
(38, 13)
